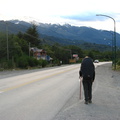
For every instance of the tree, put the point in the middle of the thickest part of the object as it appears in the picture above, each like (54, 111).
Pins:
(90, 54)
(32, 36)
(48, 49)
(76, 50)
(3, 46)
(60, 54)
(14, 46)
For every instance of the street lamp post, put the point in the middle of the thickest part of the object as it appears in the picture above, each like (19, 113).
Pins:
(114, 37)
(112, 44)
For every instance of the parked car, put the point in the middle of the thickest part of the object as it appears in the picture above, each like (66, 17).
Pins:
(96, 61)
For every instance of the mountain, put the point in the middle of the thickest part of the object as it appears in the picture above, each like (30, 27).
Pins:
(13, 27)
(86, 34)
(63, 34)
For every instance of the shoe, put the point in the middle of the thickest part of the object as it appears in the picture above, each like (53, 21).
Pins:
(86, 102)
(90, 101)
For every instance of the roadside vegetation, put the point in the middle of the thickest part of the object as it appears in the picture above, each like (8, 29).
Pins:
(14, 51)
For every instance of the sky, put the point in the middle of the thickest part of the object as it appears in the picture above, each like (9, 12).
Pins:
(73, 12)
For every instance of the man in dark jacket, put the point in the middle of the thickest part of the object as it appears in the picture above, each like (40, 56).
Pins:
(87, 71)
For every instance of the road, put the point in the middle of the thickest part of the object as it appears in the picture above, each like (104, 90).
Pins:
(38, 95)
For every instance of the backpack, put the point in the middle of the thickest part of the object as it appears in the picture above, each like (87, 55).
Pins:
(87, 69)
(87, 76)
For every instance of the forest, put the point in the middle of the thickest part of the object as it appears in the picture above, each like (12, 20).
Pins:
(15, 51)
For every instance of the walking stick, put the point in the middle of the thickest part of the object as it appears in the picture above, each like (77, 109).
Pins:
(80, 86)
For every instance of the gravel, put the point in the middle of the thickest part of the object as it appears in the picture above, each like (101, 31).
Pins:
(106, 99)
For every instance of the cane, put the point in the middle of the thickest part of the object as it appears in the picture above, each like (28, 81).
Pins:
(80, 86)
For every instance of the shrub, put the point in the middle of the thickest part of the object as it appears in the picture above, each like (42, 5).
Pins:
(32, 62)
(22, 62)
(43, 63)
(118, 62)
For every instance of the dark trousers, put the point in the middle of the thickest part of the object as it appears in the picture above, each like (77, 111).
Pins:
(87, 86)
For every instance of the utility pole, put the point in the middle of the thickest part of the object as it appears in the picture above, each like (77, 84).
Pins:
(7, 41)
(29, 49)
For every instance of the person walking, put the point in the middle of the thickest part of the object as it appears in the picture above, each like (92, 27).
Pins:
(87, 72)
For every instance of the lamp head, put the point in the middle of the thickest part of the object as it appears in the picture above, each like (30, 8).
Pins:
(98, 15)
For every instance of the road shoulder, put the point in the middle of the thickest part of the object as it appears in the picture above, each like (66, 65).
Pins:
(106, 99)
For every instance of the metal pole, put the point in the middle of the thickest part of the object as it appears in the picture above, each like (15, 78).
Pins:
(114, 37)
(29, 49)
(112, 45)
(7, 41)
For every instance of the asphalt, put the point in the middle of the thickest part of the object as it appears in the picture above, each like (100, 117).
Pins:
(105, 103)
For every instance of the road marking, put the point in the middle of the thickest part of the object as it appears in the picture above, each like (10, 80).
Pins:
(35, 80)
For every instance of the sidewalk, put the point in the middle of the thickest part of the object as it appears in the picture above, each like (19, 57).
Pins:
(106, 99)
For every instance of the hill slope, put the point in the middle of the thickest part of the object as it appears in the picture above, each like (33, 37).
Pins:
(65, 34)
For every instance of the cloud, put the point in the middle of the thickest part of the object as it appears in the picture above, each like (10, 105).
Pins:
(92, 17)
(84, 17)
(74, 12)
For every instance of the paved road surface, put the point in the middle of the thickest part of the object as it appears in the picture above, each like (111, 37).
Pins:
(37, 95)
(53, 94)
